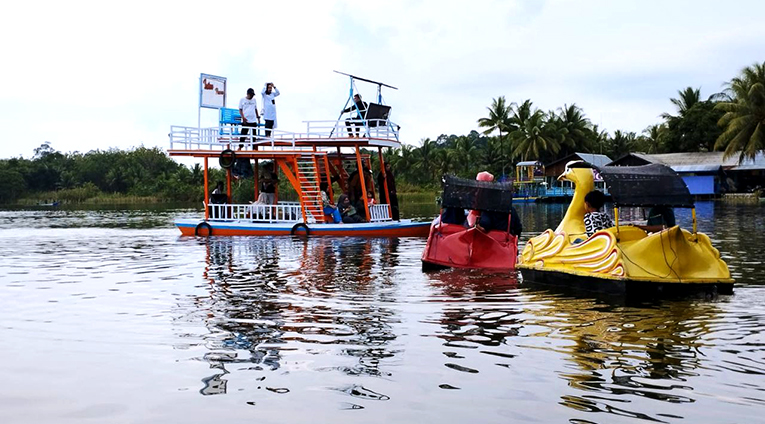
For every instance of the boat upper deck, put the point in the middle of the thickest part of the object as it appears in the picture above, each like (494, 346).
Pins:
(318, 136)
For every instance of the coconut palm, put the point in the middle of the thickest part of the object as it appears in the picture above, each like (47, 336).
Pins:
(532, 140)
(621, 143)
(575, 129)
(498, 117)
(424, 159)
(465, 154)
(518, 114)
(744, 118)
(686, 100)
(653, 137)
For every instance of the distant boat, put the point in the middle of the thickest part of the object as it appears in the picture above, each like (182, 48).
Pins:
(51, 204)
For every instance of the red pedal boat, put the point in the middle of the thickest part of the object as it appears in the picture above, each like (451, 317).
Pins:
(484, 239)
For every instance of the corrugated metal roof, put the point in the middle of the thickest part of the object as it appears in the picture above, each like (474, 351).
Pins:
(751, 165)
(695, 168)
(703, 161)
(597, 160)
(528, 163)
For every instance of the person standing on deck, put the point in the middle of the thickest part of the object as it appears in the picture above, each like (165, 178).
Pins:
(269, 106)
(248, 110)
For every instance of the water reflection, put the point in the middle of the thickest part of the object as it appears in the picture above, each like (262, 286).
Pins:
(268, 296)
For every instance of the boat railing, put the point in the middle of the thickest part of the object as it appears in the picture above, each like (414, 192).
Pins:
(366, 128)
(283, 212)
(223, 137)
(256, 212)
(379, 213)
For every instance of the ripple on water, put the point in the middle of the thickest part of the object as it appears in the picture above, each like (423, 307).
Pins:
(298, 328)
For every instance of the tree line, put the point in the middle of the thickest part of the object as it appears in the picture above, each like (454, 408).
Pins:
(732, 121)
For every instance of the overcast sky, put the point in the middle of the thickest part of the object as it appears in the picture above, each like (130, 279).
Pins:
(87, 76)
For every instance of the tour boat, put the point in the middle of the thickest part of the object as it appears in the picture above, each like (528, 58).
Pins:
(305, 159)
(453, 244)
(625, 258)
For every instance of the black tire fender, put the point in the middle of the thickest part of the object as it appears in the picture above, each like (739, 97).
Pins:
(227, 158)
(203, 225)
(298, 226)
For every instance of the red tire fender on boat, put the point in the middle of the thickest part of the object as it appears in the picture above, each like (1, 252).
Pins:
(203, 225)
(298, 226)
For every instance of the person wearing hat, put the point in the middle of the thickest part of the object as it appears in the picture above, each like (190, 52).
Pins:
(248, 109)
(269, 106)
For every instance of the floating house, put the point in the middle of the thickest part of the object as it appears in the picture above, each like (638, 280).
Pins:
(706, 173)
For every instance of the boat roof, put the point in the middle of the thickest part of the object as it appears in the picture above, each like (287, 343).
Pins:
(463, 193)
(645, 185)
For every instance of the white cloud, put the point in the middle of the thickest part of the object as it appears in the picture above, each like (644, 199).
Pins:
(78, 70)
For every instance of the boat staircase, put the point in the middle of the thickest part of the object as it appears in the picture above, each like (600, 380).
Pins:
(308, 174)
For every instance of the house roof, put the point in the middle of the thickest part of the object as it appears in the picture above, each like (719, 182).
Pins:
(702, 161)
(597, 160)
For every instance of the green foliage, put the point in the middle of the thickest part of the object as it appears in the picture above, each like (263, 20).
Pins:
(744, 114)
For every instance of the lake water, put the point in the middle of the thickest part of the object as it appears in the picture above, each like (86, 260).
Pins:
(109, 316)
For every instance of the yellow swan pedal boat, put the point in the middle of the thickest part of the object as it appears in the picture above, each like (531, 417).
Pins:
(624, 258)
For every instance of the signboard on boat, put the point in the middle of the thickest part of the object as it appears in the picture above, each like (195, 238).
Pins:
(212, 91)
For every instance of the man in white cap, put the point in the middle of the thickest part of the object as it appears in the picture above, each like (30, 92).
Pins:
(248, 110)
(269, 106)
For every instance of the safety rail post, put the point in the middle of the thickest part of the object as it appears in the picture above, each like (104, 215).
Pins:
(693, 214)
(616, 220)
(207, 192)
(363, 182)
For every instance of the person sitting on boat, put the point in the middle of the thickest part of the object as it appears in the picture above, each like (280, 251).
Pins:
(348, 211)
(359, 109)
(218, 196)
(498, 221)
(473, 215)
(269, 180)
(594, 219)
(659, 218)
(329, 208)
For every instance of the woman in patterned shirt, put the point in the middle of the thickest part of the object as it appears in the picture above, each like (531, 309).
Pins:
(594, 219)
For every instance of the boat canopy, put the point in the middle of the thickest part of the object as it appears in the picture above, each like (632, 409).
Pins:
(478, 195)
(646, 185)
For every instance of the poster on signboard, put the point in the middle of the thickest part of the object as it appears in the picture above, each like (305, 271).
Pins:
(212, 91)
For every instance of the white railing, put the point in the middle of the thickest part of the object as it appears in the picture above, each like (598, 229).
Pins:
(282, 212)
(228, 136)
(371, 128)
(255, 212)
(378, 213)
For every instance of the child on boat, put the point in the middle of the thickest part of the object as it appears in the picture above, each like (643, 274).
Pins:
(594, 219)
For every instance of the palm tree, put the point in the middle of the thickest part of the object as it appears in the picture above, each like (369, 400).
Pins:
(599, 138)
(464, 153)
(532, 140)
(519, 113)
(688, 98)
(653, 138)
(621, 144)
(744, 118)
(424, 157)
(575, 129)
(498, 117)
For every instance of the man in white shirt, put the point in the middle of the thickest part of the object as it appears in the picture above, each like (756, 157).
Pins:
(248, 109)
(269, 106)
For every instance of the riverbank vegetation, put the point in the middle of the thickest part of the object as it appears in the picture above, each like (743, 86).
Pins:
(732, 121)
